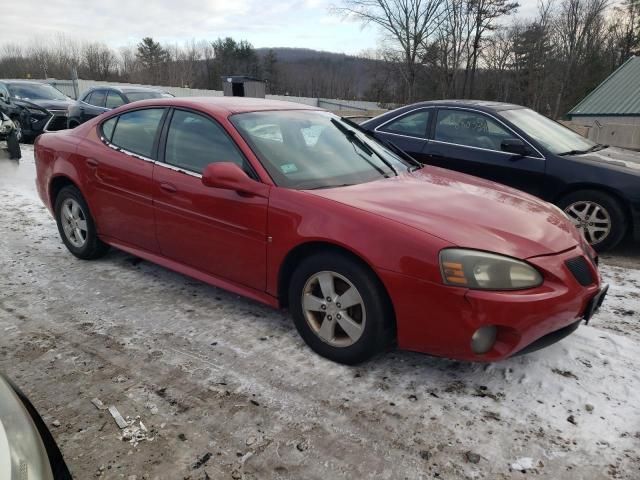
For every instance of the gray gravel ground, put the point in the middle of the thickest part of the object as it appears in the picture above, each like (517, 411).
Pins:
(226, 389)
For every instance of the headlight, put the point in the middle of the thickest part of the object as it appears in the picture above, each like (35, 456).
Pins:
(486, 271)
(37, 111)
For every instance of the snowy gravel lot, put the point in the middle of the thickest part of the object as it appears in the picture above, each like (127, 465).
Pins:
(226, 389)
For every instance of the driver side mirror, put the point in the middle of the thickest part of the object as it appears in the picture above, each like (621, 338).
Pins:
(3, 97)
(229, 176)
(515, 146)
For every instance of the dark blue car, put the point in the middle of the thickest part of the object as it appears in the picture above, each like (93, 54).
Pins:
(597, 186)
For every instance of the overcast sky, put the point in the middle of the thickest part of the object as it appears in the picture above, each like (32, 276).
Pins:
(270, 23)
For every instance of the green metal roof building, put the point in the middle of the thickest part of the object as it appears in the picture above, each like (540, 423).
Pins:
(610, 114)
(615, 100)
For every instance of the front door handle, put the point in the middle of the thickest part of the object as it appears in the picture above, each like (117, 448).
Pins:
(92, 163)
(167, 187)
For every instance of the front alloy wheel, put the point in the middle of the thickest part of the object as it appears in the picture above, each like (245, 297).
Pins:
(340, 307)
(592, 219)
(599, 216)
(334, 309)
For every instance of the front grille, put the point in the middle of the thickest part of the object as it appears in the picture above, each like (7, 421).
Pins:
(580, 269)
(58, 122)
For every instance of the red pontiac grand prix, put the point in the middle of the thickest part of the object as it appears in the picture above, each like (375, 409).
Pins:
(295, 207)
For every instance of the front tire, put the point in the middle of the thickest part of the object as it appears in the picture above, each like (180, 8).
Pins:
(76, 226)
(340, 308)
(598, 215)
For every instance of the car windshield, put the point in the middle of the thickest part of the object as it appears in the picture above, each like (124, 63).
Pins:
(555, 137)
(35, 91)
(135, 96)
(309, 149)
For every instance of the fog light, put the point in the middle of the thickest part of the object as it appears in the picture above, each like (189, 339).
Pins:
(483, 339)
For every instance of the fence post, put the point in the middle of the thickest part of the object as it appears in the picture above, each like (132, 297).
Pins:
(74, 81)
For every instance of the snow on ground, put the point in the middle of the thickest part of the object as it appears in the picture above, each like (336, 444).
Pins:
(227, 389)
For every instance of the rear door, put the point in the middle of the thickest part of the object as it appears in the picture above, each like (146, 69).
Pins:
(408, 131)
(470, 141)
(220, 232)
(119, 168)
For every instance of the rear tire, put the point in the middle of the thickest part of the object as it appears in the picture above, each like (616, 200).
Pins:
(349, 332)
(76, 226)
(598, 215)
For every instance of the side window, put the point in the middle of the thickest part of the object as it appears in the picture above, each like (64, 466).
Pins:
(194, 141)
(471, 129)
(108, 126)
(114, 100)
(97, 98)
(414, 124)
(87, 98)
(136, 131)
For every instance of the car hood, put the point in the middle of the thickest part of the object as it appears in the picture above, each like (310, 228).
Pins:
(464, 210)
(46, 104)
(617, 157)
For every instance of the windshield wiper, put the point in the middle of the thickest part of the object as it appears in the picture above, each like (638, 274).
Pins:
(353, 138)
(391, 146)
(595, 148)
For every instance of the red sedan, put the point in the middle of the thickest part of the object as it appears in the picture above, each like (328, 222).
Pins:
(294, 207)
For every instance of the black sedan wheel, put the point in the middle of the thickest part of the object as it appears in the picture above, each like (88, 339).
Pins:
(598, 216)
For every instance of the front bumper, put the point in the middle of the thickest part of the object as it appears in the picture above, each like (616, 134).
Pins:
(440, 320)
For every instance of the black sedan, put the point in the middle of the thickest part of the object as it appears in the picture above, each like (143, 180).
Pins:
(597, 186)
(98, 100)
(37, 107)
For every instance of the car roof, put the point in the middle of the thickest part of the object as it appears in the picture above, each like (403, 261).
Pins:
(485, 105)
(23, 82)
(125, 89)
(226, 105)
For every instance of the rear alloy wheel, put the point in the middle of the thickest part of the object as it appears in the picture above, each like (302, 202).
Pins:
(340, 308)
(76, 226)
(598, 216)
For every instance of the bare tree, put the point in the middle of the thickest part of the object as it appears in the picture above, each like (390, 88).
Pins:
(485, 14)
(408, 23)
(573, 28)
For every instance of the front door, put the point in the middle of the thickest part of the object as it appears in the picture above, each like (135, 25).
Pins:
(471, 142)
(220, 232)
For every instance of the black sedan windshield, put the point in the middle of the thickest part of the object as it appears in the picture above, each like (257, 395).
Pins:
(35, 91)
(310, 149)
(555, 137)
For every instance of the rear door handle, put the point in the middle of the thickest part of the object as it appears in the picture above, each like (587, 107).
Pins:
(92, 163)
(167, 187)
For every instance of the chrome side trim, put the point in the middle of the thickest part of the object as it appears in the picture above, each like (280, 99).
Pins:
(485, 149)
(177, 169)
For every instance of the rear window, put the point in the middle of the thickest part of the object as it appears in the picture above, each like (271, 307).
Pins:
(136, 131)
